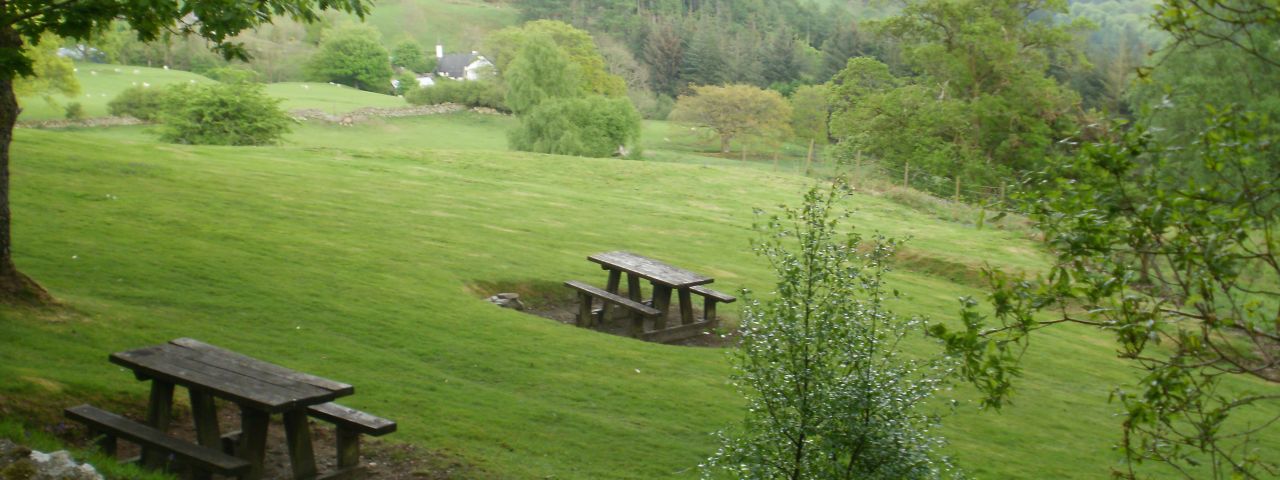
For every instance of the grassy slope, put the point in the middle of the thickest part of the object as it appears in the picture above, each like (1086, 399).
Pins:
(330, 98)
(99, 83)
(461, 25)
(361, 265)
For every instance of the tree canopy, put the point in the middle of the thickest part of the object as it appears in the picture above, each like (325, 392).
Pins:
(735, 111)
(353, 56)
(577, 45)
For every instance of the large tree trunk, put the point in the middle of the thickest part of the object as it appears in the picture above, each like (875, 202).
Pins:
(724, 143)
(14, 286)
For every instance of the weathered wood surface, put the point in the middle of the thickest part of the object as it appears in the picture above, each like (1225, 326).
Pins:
(709, 300)
(652, 270)
(680, 332)
(352, 418)
(612, 298)
(351, 424)
(229, 358)
(241, 379)
(111, 424)
(718, 296)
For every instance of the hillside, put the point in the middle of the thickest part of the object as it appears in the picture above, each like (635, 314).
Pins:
(369, 266)
(101, 82)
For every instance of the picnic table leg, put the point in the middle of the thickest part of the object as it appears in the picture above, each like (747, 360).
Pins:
(662, 302)
(633, 292)
(709, 311)
(686, 307)
(614, 277)
(298, 434)
(585, 317)
(159, 413)
(205, 413)
(253, 440)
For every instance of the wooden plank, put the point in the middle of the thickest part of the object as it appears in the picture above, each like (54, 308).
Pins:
(612, 287)
(102, 420)
(205, 415)
(253, 440)
(677, 333)
(269, 371)
(352, 418)
(159, 413)
(586, 317)
(348, 445)
(163, 363)
(609, 297)
(653, 270)
(686, 307)
(661, 302)
(298, 436)
(712, 294)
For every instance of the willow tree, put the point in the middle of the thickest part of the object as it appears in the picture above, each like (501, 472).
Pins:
(23, 22)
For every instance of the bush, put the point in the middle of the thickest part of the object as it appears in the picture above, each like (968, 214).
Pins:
(470, 93)
(593, 126)
(142, 103)
(222, 114)
(233, 75)
(74, 111)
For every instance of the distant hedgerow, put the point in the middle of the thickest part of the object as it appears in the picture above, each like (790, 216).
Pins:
(480, 93)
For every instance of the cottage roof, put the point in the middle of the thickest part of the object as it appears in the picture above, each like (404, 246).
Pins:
(455, 64)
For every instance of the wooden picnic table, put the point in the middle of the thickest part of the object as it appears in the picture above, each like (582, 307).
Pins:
(664, 278)
(260, 389)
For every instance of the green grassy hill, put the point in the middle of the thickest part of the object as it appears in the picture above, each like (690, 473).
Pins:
(460, 25)
(369, 265)
(99, 83)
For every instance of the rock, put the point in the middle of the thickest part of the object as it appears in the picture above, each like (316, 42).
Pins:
(507, 300)
(19, 463)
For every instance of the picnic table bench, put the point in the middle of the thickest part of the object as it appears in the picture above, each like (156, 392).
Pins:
(258, 388)
(665, 280)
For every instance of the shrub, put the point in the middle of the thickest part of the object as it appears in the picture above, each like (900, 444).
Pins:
(830, 393)
(142, 103)
(593, 126)
(222, 114)
(233, 75)
(74, 111)
(470, 93)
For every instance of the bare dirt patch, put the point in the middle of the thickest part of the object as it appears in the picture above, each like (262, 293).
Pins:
(552, 300)
(381, 459)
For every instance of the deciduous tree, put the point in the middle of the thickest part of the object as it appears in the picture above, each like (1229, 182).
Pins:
(735, 111)
(505, 45)
(540, 71)
(409, 54)
(830, 395)
(1168, 244)
(593, 126)
(353, 56)
(23, 22)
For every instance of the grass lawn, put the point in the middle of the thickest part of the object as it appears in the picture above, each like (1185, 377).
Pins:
(99, 83)
(368, 265)
(330, 98)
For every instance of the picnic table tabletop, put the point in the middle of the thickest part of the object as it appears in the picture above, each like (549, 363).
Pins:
(648, 268)
(239, 378)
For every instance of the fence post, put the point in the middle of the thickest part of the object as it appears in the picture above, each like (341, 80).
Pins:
(906, 174)
(957, 189)
(808, 159)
